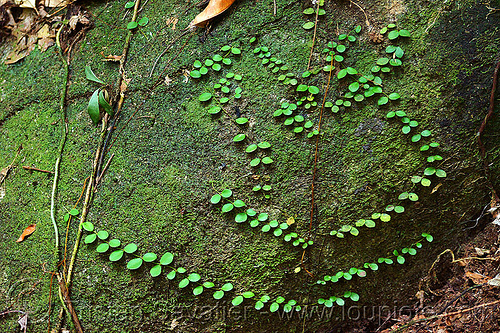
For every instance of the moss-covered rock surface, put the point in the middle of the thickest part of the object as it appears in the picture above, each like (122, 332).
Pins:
(171, 156)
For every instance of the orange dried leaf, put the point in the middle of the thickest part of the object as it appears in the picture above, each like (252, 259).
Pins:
(214, 8)
(28, 231)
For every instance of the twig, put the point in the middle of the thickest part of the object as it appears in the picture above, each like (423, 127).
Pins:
(482, 149)
(367, 22)
(4, 172)
(69, 305)
(274, 3)
(28, 168)
(104, 169)
(165, 51)
(415, 321)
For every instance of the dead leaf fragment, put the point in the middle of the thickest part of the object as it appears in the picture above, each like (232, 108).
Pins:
(214, 8)
(290, 220)
(111, 57)
(28, 231)
(477, 278)
(23, 322)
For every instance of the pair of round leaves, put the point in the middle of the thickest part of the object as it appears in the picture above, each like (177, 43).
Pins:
(253, 147)
(220, 293)
(216, 198)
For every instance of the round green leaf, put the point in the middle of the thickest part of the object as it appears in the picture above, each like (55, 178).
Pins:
(130, 248)
(167, 258)
(102, 247)
(227, 287)
(251, 148)
(198, 290)
(149, 257)
(115, 242)
(205, 97)
(184, 283)
(194, 277)
(116, 255)
(88, 226)
(129, 4)
(274, 307)
(237, 300)
(216, 198)
(226, 193)
(227, 208)
(134, 263)
(103, 234)
(143, 21)
(267, 160)
(255, 162)
(132, 25)
(155, 270)
(239, 138)
(241, 217)
(308, 25)
(90, 238)
(218, 294)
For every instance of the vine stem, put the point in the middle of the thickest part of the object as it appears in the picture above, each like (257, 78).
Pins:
(494, 196)
(316, 150)
(98, 156)
(62, 108)
(314, 37)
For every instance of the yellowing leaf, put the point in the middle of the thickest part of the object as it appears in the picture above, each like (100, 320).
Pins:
(290, 220)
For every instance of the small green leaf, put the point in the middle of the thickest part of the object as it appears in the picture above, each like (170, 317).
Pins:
(241, 217)
(104, 104)
(239, 138)
(382, 100)
(130, 248)
(393, 34)
(155, 270)
(248, 294)
(205, 97)
(394, 96)
(255, 162)
(216, 198)
(274, 307)
(194, 277)
(267, 160)
(198, 290)
(171, 275)
(88, 226)
(103, 234)
(308, 25)
(440, 173)
(184, 283)
(93, 107)
(134, 263)
(218, 294)
(114, 242)
(116, 255)
(237, 300)
(89, 74)
(208, 284)
(227, 208)
(149, 257)
(251, 148)
(90, 238)
(129, 4)
(227, 287)
(167, 258)
(259, 305)
(143, 21)
(226, 193)
(132, 25)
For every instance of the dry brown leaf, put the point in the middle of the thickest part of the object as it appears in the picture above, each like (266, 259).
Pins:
(477, 278)
(110, 57)
(28, 231)
(214, 8)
